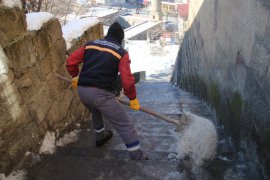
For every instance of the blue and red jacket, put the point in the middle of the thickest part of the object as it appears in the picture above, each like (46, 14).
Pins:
(102, 60)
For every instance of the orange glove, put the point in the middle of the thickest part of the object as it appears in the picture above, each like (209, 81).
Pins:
(134, 104)
(74, 82)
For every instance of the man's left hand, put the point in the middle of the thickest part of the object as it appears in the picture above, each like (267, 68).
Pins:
(75, 81)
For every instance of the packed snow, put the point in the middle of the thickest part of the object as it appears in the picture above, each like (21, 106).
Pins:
(15, 175)
(76, 28)
(68, 138)
(8, 3)
(3, 63)
(49, 144)
(198, 140)
(36, 20)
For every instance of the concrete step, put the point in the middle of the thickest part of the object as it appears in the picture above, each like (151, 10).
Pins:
(81, 168)
(158, 92)
(156, 143)
(144, 118)
(106, 153)
(148, 143)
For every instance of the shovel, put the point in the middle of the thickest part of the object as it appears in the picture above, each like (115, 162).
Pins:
(179, 123)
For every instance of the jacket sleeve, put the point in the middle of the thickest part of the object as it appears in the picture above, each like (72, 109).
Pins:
(127, 79)
(73, 61)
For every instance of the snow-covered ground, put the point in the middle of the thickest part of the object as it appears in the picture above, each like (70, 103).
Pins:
(151, 57)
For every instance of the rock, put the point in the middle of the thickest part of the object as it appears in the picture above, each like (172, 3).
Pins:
(57, 116)
(21, 55)
(53, 28)
(14, 24)
(41, 103)
(42, 43)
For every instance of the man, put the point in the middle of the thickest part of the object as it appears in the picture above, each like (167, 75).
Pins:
(102, 60)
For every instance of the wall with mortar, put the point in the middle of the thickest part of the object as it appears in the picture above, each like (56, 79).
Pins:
(225, 59)
(32, 99)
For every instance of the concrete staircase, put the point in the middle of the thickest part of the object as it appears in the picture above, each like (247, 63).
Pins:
(82, 160)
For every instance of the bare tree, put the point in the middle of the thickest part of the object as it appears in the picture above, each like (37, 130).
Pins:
(23, 2)
(31, 5)
(67, 11)
(63, 8)
(47, 5)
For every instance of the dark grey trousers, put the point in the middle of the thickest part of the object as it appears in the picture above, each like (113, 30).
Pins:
(102, 103)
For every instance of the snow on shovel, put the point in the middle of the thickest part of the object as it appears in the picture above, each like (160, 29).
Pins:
(198, 136)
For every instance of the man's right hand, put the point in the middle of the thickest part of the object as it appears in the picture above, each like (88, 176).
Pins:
(74, 82)
(134, 104)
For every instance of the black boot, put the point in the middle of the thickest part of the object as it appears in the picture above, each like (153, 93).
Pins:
(106, 135)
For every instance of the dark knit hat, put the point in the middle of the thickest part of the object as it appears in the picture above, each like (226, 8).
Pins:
(116, 31)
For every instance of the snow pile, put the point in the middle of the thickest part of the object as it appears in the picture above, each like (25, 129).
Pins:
(199, 139)
(151, 58)
(3, 62)
(7, 3)
(68, 138)
(76, 28)
(48, 144)
(37, 19)
(15, 175)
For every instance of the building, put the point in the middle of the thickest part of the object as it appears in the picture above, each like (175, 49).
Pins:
(156, 14)
(170, 7)
(182, 11)
(110, 2)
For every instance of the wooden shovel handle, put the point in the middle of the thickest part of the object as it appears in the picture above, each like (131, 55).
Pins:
(148, 111)
(63, 78)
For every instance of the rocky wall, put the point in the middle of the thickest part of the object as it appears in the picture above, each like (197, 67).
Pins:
(33, 100)
(225, 59)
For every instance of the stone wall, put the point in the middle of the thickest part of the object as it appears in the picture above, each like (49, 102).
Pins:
(225, 59)
(33, 100)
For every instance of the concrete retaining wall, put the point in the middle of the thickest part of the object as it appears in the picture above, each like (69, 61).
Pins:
(225, 59)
